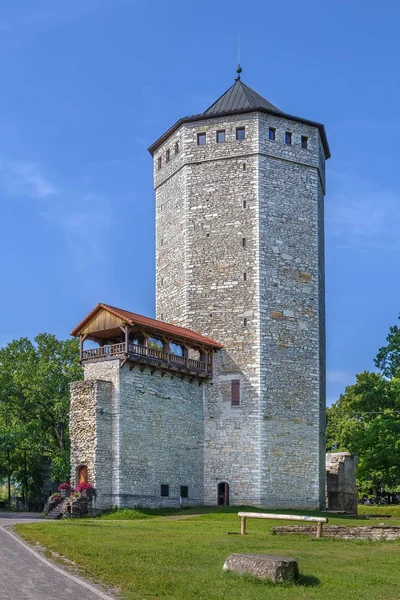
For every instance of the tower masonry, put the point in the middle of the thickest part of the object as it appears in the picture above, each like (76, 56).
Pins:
(240, 258)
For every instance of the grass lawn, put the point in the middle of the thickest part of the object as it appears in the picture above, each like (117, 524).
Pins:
(182, 559)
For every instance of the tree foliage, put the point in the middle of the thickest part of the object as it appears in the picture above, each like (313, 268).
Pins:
(366, 421)
(34, 408)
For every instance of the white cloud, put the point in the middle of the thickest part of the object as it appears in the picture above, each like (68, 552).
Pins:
(19, 178)
(359, 216)
(340, 376)
(43, 15)
(86, 222)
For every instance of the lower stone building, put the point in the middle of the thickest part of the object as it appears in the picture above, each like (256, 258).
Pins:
(137, 419)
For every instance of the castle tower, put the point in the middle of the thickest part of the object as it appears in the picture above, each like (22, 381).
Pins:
(240, 259)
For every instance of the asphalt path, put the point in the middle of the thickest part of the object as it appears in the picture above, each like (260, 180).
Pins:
(25, 575)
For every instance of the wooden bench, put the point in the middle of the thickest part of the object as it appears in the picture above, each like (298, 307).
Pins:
(250, 515)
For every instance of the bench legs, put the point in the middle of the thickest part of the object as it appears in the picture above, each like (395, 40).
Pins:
(243, 526)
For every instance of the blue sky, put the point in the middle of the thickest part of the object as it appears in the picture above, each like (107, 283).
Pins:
(88, 85)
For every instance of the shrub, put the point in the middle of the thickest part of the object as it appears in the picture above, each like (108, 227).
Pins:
(64, 486)
(84, 486)
(55, 497)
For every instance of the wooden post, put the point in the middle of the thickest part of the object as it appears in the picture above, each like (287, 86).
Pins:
(186, 355)
(82, 338)
(126, 338)
(243, 526)
(319, 529)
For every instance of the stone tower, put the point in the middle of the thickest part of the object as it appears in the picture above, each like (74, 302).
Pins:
(240, 259)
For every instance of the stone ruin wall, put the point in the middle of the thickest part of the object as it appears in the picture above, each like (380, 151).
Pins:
(341, 485)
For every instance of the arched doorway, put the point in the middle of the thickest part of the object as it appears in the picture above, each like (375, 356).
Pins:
(82, 474)
(223, 494)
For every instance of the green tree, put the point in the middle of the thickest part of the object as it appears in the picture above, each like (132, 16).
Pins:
(34, 408)
(366, 421)
(388, 357)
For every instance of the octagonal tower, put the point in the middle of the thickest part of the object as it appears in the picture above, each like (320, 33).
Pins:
(240, 259)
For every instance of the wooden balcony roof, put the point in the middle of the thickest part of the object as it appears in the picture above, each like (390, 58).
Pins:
(104, 319)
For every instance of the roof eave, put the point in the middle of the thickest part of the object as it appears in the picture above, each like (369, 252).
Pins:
(280, 114)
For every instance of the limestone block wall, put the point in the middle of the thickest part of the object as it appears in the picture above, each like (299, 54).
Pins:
(108, 370)
(91, 436)
(161, 433)
(135, 430)
(292, 335)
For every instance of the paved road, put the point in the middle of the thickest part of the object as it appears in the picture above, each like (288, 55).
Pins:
(23, 576)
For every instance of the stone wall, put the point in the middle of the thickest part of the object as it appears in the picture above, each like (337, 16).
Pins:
(140, 429)
(343, 532)
(271, 448)
(91, 436)
(341, 484)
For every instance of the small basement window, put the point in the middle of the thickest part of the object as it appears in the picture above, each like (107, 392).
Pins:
(235, 392)
(271, 133)
(220, 136)
(184, 491)
(168, 155)
(304, 142)
(164, 489)
(201, 139)
(240, 133)
(288, 138)
(159, 162)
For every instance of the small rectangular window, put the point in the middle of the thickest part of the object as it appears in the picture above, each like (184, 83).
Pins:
(271, 133)
(201, 139)
(288, 138)
(304, 142)
(220, 136)
(164, 489)
(167, 155)
(244, 203)
(240, 133)
(176, 147)
(244, 242)
(184, 491)
(244, 166)
(245, 322)
(235, 392)
(159, 162)
(244, 276)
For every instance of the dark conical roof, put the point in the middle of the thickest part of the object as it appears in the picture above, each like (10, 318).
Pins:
(239, 97)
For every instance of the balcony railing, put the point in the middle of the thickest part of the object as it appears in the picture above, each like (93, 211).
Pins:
(147, 354)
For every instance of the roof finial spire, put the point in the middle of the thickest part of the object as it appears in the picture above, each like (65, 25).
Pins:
(238, 68)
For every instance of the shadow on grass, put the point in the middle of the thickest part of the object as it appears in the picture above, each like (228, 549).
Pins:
(308, 581)
(301, 581)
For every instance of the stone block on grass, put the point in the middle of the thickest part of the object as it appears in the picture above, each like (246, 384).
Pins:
(263, 566)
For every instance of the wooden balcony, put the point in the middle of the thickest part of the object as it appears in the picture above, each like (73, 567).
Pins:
(149, 356)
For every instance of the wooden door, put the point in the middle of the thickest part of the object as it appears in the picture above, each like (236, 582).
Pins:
(223, 494)
(82, 474)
